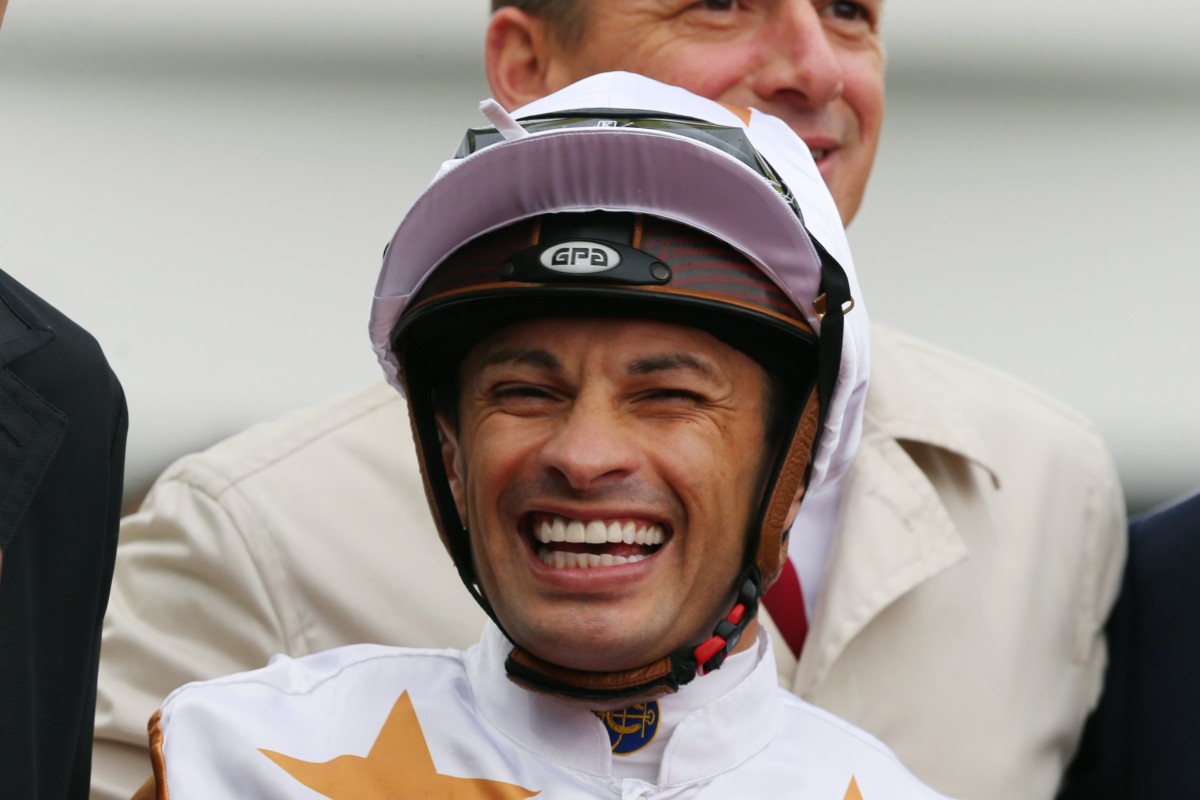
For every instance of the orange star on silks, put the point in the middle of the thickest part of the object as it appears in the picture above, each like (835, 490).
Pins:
(399, 765)
(852, 792)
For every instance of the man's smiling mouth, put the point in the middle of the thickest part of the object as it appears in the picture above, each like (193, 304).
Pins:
(564, 543)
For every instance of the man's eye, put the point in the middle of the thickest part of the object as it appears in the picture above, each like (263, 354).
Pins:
(846, 10)
(719, 5)
(519, 392)
(675, 395)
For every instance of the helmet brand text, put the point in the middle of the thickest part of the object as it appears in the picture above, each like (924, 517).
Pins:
(580, 258)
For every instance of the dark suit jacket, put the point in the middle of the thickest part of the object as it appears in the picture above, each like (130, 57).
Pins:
(62, 454)
(1143, 739)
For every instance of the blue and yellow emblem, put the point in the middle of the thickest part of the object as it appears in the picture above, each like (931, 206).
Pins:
(631, 728)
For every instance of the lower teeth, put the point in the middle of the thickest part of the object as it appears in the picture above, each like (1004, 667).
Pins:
(560, 559)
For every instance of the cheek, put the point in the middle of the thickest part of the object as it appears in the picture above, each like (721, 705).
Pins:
(864, 91)
(493, 455)
(711, 466)
(709, 69)
(717, 73)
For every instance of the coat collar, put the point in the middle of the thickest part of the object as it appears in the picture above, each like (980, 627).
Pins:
(23, 329)
(914, 398)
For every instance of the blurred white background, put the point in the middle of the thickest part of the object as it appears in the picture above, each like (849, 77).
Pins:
(208, 188)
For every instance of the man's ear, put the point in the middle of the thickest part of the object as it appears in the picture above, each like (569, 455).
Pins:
(518, 54)
(794, 508)
(452, 463)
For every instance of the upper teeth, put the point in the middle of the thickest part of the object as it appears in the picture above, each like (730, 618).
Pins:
(818, 154)
(557, 529)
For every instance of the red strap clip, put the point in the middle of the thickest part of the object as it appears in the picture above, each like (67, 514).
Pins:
(714, 648)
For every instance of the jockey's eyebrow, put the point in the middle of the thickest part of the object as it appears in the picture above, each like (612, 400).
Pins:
(531, 356)
(672, 361)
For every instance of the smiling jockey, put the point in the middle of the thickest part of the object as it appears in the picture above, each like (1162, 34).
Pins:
(629, 331)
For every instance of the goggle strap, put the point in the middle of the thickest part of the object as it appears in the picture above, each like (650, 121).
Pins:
(835, 287)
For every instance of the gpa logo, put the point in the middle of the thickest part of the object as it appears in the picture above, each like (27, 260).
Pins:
(580, 258)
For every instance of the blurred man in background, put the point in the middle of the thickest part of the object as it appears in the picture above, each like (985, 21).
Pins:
(949, 597)
(62, 458)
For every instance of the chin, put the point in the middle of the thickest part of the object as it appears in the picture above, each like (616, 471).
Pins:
(602, 657)
(601, 647)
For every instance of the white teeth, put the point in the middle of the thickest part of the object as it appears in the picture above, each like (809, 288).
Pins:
(561, 559)
(596, 532)
(559, 529)
(555, 531)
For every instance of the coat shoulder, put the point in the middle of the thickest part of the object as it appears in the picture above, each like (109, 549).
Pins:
(370, 425)
(915, 383)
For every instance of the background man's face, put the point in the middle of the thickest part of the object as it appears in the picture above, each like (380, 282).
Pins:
(817, 64)
(598, 428)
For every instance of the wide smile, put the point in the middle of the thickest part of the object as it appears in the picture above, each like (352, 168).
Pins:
(567, 543)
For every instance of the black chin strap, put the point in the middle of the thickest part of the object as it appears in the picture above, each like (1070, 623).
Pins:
(653, 680)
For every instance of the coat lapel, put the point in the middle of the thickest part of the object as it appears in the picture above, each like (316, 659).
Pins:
(896, 533)
(31, 429)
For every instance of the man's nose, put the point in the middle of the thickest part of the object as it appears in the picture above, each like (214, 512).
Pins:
(591, 447)
(800, 64)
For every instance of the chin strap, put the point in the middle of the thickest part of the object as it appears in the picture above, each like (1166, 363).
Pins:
(664, 676)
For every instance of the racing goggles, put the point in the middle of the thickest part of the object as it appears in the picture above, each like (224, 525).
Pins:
(728, 139)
